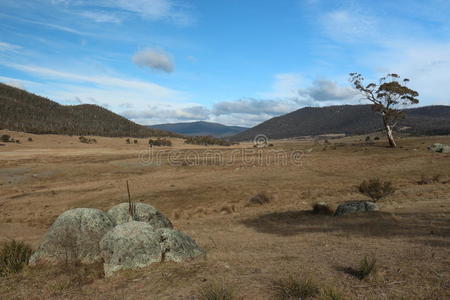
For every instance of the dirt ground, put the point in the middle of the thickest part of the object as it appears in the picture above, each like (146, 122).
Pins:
(205, 192)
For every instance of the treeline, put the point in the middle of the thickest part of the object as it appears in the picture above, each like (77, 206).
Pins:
(207, 140)
(23, 111)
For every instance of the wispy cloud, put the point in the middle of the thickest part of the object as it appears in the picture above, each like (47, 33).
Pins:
(100, 17)
(8, 47)
(154, 59)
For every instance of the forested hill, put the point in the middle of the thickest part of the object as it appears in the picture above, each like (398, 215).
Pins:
(349, 119)
(23, 111)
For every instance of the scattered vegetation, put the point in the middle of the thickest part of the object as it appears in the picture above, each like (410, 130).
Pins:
(424, 179)
(365, 268)
(292, 288)
(136, 141)
(14, 255)
(207, 140)
(330, 294)
(376, 138)
(30, 139)
(216, 292)
(321, 208)
(160, 142)
(128, 141)
(87, 140)
(376, 188)
(260, 198)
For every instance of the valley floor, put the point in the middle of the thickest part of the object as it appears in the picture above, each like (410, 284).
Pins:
(248, 246)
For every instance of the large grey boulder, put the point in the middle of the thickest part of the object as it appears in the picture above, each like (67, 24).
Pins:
(441, 148)
(355, 207)
(74, 236)
(143, 213)
(136, 245)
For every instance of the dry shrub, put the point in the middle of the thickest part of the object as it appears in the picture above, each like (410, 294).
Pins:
(424, 179)
(30, 139)
(159, 142)
(216, 291)
(14, 255)
(86, 140)
(321, 208)
(330, 294)
(5, 138)
(292, 288)
(376, 188)
(260, 198)
(367, 266)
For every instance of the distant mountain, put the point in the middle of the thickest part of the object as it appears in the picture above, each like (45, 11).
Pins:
(200, 128)
(23, 111)
(348, 119)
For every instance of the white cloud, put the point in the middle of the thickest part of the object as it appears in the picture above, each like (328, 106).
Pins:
(154, 59)
(252, 106)
(100, 17)
(327, 90)
(167, 114)
(285, 85)
(8, 47)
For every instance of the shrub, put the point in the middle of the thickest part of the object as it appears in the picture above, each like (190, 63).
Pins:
(160, 142)
(365, 267)
(30, 139)
(376, 138)
(260, 198)
(207, 140)
(292, 288)
(367, 138)
(17, 141)
(87, 140)
(128, 141)
(14, 256)
(216, 292)
(6, 138)
(424, 179)
(376, 188)
(321, 208)
(135, 141)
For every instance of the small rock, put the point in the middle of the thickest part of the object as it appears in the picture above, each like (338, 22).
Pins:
(440, 148)
(355, 207)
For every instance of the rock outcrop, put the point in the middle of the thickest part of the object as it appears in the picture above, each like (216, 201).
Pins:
(74, 236)
(136, 245)
(355, 207)
(143, 213)
(440, 148)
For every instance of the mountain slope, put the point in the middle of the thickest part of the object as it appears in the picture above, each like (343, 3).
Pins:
(200, 128)
(348, 119)
(23, 111)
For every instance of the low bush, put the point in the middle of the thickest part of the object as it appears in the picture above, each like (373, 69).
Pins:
(128, 141)
(160, 142)
(14, 255)
(5, 138)
(86, 140)
(321, 208)
(135, 141)
(30, 139)
(376, 188)
(292, 288)
(216, 292)
(365, 268)
(260, 198)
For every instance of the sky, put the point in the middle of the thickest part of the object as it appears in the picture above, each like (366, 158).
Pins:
(236, 62)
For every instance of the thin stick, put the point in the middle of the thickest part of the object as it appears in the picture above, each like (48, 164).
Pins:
(131, 209)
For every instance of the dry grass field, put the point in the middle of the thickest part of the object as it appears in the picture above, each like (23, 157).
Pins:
(248, 247)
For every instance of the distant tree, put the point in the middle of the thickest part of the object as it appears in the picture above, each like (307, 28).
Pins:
(389, 96)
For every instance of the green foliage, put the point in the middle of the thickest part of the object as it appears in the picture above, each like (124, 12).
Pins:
(292, 288)
(160, 142)
(14, 256)
(207, 140)
(216, 292)
(376, 188)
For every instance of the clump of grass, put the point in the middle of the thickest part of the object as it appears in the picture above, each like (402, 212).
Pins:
(260, 198)
(216, 292)
(321, 208)
(86, 140)
(330, 294)
(366, 267)
(14, 255)
(292, 288)
(376, 188)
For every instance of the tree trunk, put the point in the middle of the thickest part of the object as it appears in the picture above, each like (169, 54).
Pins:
(390, 135)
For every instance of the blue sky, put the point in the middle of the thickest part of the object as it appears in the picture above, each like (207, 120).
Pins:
(238, 62)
